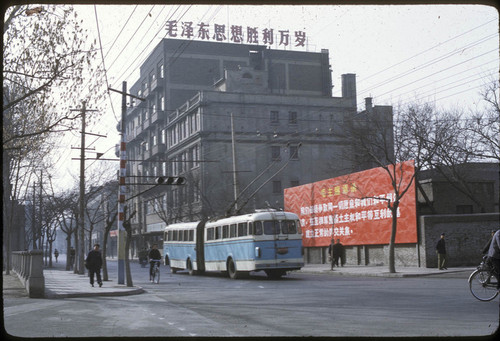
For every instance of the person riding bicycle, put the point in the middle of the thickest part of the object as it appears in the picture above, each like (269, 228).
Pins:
(154, 257)
(494, 255)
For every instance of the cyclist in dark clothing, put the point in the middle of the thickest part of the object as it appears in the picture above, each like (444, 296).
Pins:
(494, 255)
(154, 255)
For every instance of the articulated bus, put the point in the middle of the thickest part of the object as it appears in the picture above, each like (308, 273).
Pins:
(265, 240)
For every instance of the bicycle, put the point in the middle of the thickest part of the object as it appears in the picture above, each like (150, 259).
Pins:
(155, 275)
(483, 282)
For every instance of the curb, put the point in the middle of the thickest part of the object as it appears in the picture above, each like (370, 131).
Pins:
(133, 291)
(379, 274)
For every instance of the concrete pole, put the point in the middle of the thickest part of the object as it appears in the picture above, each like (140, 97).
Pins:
(121, 193)
(235, 176)
(81, 237)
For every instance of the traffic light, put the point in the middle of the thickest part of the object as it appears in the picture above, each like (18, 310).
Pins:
(171, 180)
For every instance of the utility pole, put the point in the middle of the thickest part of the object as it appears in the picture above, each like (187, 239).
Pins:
(81, 239)
(121, 191)
(235, 177)
(122, 186)
(80, 235)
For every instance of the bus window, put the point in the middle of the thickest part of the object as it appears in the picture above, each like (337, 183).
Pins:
(257, 228)
(288, 227)
(225, 231)
(191, 235)
(271, 227)
(175, 235)
(181, 236)
(218, 232)
(242, 229)
(165, 234)
(210, 233)
(232, 231)
(186, 235)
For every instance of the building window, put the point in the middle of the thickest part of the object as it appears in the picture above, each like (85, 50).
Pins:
(196, 156)
(292, 117)
(275, 152)
(162, 70)
(162, 103)
(155, 140)
(163, 138)
(277, 187)
(275, 116)
(294, 152)
(294, 183)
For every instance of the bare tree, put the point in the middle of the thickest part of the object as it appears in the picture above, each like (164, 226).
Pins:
(377, 142)
(128, 228)
(44, 49)
(110, 215)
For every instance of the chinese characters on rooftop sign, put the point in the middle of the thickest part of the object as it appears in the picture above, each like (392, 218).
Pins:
(354, 208)
(235, 33)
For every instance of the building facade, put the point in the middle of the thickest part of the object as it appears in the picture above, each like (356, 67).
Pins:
(239, 122)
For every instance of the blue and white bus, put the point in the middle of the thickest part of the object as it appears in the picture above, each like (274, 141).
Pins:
(265, 240)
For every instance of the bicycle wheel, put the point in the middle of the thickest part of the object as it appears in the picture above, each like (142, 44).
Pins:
(156, 275)
(483, 285)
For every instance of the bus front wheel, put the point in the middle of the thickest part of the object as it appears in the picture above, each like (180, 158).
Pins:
(231, 269)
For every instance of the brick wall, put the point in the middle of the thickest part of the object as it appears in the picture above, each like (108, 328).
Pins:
(465, 236)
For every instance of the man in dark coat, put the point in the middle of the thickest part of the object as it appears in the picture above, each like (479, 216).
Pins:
(338, 253)
(94, 263)
(441, 253)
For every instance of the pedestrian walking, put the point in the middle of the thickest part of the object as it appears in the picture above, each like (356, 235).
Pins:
(338, 253)
(94, 263)
(72, 254)
(441, 253)
(331, 257)
(56, 254)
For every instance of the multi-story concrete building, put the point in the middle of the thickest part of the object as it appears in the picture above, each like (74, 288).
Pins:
(239, 122)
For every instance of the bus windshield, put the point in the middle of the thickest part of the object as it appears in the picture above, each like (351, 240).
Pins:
(271, 227)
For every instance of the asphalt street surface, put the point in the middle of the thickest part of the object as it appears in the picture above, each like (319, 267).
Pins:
(300, 304)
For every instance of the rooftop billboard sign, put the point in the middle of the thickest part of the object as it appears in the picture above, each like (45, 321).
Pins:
(235, 34)
(354, 208)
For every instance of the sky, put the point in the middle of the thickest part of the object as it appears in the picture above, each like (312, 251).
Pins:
(442, 54)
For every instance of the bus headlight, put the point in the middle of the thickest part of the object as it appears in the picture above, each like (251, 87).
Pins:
(258, 253)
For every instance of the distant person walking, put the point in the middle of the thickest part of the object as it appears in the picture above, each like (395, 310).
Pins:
(94, 263)
(330, 253)
(72, 254)
(56, 254)
(441, 253)
(338, 253)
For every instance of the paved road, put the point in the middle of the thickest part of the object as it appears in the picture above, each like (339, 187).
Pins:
(298, 305)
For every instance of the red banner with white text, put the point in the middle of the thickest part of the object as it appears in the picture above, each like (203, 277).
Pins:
(354, 208)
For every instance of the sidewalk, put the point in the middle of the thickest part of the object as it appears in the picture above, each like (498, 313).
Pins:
(60, 283)
(379, 271)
